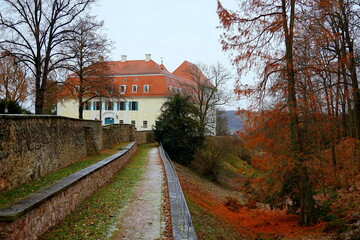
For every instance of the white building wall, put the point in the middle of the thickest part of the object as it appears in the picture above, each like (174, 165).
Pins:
(149, 108)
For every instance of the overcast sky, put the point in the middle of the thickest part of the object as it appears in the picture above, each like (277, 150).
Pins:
(170, 29)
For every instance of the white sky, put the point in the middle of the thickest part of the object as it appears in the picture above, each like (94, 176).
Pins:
(175, 30)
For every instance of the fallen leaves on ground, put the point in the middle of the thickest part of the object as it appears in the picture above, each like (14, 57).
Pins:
(253, 223)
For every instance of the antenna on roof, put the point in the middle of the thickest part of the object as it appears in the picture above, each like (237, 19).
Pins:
(162, 60)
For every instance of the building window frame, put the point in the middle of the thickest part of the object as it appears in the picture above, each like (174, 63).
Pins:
(121, 106)
(134, 88)
(87, 106)
(145, 124)
(109, 106)
(97, 105)
(110, 89)
(146, 88)
(133, 105)
(122, 89)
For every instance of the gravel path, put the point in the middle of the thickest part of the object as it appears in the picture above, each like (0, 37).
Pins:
(144, 219)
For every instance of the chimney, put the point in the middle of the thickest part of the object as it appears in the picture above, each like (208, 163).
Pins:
(123, 58)
(147, 57)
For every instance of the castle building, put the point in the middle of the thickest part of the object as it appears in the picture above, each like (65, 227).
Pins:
(142, 88)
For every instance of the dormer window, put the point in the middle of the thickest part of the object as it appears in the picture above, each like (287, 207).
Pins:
(146, 88)
(110, 89)
(134, 88)
(122, 89)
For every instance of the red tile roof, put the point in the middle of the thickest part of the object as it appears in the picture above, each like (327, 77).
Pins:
(189, 71)
(183, 70)
(141, 72)
(136, 67)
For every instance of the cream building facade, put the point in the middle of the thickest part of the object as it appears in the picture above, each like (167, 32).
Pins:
(143, 86)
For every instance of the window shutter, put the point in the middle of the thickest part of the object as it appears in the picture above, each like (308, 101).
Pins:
(124, 105)
(130, 105)
(106, 106)
(136, 106)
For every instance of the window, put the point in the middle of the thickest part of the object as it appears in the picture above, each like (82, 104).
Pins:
(134, 88)
(125, 79)
(122, 89)
(145, 124)
(97, 105)
(109, 106)
(110, 89)
(146, 88)
(121, 121)
(77, 88)
(121, 106)
(87, 106)
(133, 122)
(136, 79)
(133, 106)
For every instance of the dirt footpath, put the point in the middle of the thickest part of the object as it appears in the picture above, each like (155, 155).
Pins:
(144, 219)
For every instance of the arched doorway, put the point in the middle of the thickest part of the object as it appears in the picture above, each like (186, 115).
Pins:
(109, 120)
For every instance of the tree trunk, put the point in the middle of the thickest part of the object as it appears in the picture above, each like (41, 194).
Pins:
(352, 69)
(39, 98)
(308, 215)
(81, 108)
(307, 203)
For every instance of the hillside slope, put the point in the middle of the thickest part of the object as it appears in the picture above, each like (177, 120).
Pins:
(213, 220)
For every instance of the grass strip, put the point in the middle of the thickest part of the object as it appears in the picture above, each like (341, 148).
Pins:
(98, 213)
(9, 197)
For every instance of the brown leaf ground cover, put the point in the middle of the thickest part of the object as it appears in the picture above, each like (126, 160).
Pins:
(207, 206)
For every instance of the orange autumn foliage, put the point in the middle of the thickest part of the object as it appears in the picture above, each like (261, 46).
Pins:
(249, 222)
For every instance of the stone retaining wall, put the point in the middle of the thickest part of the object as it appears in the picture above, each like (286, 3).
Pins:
(32, 217)
(119, 133)
(141, 137)
(33, 146)
(182, 227)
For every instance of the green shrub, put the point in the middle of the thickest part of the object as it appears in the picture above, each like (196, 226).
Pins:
(330, 217)
(179, 130)
(209, 160)
(337, 225)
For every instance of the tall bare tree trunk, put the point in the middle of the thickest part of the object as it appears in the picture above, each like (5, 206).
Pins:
(307, 203)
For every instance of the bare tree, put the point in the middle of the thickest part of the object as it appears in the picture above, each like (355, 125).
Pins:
(13, 81)
(89, 47)
(35, 31)
(222, 128)
(208, 90)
